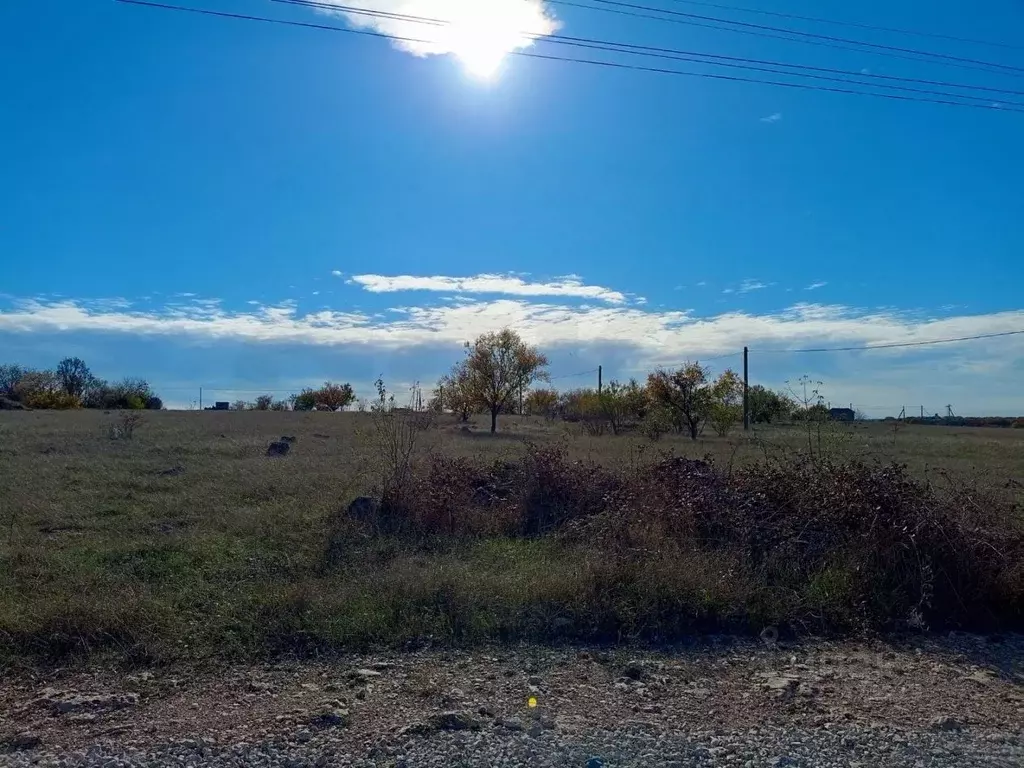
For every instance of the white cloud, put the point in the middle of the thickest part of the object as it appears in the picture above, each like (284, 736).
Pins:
(653, 335)
(751, 285)
(336, 272)
(815, 286)
(568, 286)
(772, 118)
(479, 32)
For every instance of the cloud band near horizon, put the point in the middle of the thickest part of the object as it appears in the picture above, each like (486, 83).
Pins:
(654, 335)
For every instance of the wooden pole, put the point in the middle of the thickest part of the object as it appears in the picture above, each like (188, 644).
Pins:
(599, 372)
(746, 392)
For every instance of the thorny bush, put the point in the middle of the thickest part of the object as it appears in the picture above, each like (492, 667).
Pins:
(813, 544)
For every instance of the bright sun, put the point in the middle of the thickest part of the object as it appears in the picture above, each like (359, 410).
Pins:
(480, 59)
(481, 41)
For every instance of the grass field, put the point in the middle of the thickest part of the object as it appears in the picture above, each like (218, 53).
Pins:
(186, 541)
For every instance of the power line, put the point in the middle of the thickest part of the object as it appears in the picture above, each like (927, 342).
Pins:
(571, 375)
(894, 345)
(738, 62)
(592, 62)
(851, 24)
(812, 35)
(766, 35)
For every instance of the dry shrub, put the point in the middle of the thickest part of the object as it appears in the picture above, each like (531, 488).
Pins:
(830, 545)
(809, 543)
(559, 491)
(450, 496)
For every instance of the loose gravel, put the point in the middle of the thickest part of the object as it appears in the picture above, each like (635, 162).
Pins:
(959, 702)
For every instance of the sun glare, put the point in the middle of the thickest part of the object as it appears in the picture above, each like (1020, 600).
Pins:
(481, 39)
(480, 55)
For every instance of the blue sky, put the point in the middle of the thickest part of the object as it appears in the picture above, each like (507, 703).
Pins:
(246, 206)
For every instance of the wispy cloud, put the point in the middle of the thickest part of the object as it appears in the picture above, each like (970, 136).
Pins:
(480, 32)
(653, 335)
(747, 286)
(815, 286)
(337, 272)
(509, 285)
(772, 118)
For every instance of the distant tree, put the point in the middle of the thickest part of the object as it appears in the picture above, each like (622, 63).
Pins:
(32, 382)
(685, 394)
(74, 376)
(154, 403)
(280, 405)
(541, 402)
(725, 409)
(41, 389)
(330, 397)
(263, 402)
(455, 393)
(636, 398)
(305, 400)
(498, 366)
(618, 404)
(9, 377)
(241, 405)
(335, 396)
(768, 407)
(813, 413)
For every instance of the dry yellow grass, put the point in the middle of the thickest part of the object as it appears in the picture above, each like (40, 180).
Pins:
(187, 541)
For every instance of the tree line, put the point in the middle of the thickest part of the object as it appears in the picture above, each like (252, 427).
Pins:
(499, 374)
(72, 385)
(499, 371)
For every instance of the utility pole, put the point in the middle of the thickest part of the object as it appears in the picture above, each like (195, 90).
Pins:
(200, 398)
(520, 399)
(746, 393)
(922, 411)
(599, 371)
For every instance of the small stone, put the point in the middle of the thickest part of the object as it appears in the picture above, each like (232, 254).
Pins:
(454, 721)
(595, 762)
(364, 674)
(331, 719)
(278, 448)
(633, 671)
(19, 742)
(946, 723)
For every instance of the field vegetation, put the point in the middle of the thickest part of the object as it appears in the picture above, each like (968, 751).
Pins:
(187, 541)
(632, 512)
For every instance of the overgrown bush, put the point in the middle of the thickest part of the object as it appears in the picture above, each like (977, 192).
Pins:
(812, 544)
(830, 545)
(51, 399)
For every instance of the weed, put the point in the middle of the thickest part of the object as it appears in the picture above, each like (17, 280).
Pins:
(124, 427)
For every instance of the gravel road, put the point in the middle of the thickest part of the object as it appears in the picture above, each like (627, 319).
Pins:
(958, 701)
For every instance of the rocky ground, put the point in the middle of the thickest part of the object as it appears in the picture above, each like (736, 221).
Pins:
(958, 701)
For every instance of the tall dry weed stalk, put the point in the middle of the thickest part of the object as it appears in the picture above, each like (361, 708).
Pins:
(397, 437)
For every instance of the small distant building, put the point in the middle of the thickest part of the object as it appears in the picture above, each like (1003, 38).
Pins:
(841, 414)
(219, 406)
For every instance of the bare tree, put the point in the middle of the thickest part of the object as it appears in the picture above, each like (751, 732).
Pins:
(74, 376)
